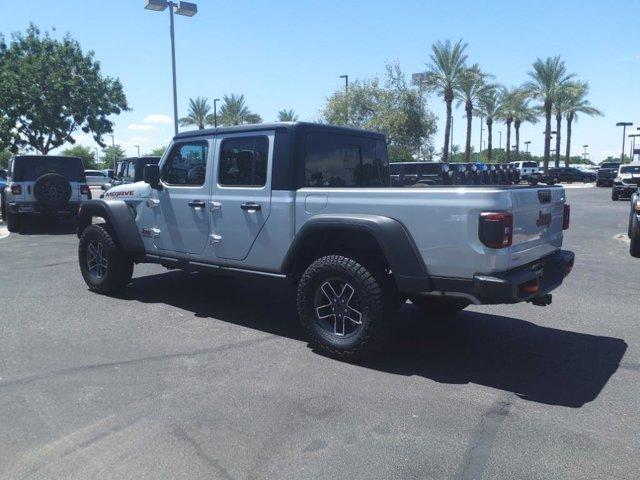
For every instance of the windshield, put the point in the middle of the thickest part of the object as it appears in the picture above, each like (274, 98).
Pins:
(630, 169)
(610, 165)
(32, 168)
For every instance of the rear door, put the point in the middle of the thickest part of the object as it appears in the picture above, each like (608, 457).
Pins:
(537, 223)
(241, 193)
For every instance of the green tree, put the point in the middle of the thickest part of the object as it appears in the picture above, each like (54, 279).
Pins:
(53, 89)
(522, 112)
(198, 115)
(234, 111)
(396, 109)
(287, 116)
(110, 153)
(5, 155)
(547, 78)
(490, 108)
(85, 153)
(443, 76)
(577, 103)
(157, 152)
(509, 98)
(472, 86)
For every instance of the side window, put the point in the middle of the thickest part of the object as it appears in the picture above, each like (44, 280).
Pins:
(333, 160)
(186, 164)
(131, 171)
(243, 162)
(10, 169)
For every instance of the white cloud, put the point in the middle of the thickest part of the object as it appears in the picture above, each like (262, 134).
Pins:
(157, 118)
(142, 128)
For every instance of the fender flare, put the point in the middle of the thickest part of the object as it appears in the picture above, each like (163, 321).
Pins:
(117, 214)
(395, 242)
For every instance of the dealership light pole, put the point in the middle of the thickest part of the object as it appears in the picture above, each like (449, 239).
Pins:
(138, 147)
(624, 126)
(181, 8)
(346, 82)
(633, 136)
(215, 112)
(527, 143)
(585, 154)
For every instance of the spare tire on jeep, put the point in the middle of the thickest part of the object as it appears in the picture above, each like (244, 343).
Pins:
(52, 189)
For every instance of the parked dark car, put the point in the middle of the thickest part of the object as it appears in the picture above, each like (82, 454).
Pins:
(626, 182)
(404, 174)
(606, 173)
(570, 174)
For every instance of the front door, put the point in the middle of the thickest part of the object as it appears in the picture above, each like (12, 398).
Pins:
(181, 222)
(241, 195)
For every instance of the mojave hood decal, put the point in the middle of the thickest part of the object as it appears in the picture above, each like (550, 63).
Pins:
(132, 190)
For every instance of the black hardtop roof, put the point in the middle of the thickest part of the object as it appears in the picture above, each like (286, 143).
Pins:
(146, 157)
(31, 157)
(292, 126)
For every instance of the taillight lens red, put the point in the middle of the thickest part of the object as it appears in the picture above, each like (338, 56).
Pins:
(84, 190)
(496, 229)
(566, 217)
(16, 189)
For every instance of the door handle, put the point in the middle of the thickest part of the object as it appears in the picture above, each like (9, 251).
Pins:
(251, 206)
(197, 204)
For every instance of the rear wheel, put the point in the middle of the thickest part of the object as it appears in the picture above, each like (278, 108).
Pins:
(13, 221)
(104, 266)
(634, 247)
(438, 307)
(341, 306)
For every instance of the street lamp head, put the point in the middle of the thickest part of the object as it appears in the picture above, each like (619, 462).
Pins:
(156, 5)
(187, 9)
(216, 99)
(624, 124)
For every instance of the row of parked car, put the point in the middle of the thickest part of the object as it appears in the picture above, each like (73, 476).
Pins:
(53, 185)
(417, 174)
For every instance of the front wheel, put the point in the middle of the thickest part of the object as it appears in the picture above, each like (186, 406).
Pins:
(341, 306)
(634, 247)
(104, 266)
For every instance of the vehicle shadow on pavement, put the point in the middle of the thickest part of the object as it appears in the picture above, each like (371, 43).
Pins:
(540, 364)
(47, 226)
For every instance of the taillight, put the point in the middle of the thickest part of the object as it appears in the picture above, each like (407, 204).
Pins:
(495, 229)
(16, 189)
(566, 217)
(84, 190)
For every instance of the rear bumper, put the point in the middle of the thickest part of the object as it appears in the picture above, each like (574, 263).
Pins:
(70, 208)
(527, 283)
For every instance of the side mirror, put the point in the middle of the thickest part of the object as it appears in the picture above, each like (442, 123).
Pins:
(151, 176)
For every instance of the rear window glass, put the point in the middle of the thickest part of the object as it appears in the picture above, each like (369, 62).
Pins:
(529, 164)
(630, 169)
(333, 160)
(31, 168)
(610, 165)
(429, 168)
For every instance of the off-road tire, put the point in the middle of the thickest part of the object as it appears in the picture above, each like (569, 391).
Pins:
(119, 269)
(374, 300)
(13, 221)
(634, 246)
(436, 308)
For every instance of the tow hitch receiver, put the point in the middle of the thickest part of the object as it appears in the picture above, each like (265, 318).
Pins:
(542, 300)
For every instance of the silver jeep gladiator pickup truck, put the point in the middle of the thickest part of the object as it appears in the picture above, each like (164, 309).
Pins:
(312, 204)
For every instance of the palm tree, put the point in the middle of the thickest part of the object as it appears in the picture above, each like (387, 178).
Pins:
(490, 108)
(470, 88)
(577, 103)
(443, 76)
(287, 116)
(234, 111)
(198, 113)
(548, 76)
(522, 112)
(509, 99)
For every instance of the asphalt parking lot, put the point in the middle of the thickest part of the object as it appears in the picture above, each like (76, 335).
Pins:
(190, 376)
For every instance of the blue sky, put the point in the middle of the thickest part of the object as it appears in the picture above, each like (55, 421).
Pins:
(289, 54)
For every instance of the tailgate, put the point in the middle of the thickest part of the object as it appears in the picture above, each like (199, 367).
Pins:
(537, 223)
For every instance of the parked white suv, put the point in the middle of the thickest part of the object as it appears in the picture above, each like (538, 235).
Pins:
(42, 186)
(526, 169)
(96, 178)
